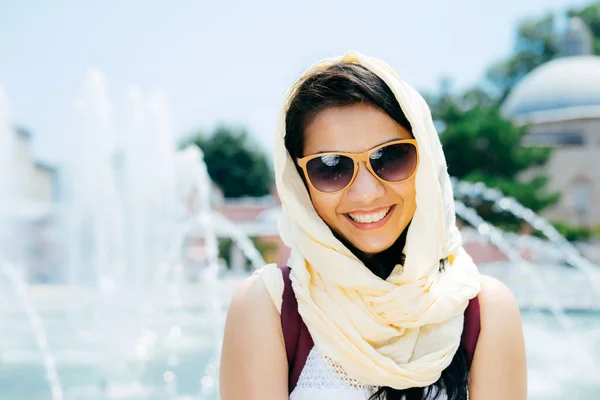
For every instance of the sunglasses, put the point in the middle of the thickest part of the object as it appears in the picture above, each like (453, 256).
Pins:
(390, 162)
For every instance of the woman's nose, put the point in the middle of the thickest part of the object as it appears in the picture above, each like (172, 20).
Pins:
(366, 188)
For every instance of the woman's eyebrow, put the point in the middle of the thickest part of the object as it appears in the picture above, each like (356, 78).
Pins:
(358, 152)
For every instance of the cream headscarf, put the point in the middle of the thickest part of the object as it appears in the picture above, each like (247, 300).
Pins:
(400, 332)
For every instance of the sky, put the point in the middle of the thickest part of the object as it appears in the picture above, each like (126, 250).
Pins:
(232, 61)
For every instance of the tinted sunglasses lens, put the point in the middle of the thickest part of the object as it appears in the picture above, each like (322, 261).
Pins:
(395, 162)
(330, 173)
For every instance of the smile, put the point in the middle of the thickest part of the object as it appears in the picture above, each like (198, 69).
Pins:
(370, 220)
(372, 217)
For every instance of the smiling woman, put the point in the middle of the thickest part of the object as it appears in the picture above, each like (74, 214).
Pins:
(379, 300)
(369, 211)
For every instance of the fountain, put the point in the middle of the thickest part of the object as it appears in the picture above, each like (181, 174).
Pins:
(126, 320)
(496, 237)
(8, 187)
(558, 245)
(135, 323)
(546, 280)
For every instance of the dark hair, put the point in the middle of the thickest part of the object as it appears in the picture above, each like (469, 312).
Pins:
(340, 85)
(343, 85)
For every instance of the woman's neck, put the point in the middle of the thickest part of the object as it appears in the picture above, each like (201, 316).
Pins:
(381, 264)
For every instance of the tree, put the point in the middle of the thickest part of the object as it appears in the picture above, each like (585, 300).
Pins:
(537, 41)
(591, 16)
(234, 162)
(481, 146)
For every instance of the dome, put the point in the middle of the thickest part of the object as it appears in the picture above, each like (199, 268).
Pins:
(563, 83)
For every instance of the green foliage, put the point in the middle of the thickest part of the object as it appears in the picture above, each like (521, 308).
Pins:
(535, 44)
(572, 233)
(225, 250)
(537, 41)
(480, 140)
(266, 249)
(481, 146)
(591, 16)
(235, 163)
(263, 248)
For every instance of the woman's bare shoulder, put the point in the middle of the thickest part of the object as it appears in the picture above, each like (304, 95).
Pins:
(496, 297)
(499, 368)
(252, 312)
(500, 314)
(252, 292)
(253, 360)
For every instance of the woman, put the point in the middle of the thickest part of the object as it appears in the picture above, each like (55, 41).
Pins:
(382, 301)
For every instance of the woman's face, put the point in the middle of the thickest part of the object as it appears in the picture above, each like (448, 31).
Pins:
(356, 129)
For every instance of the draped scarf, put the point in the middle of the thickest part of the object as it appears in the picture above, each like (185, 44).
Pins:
(399, 332)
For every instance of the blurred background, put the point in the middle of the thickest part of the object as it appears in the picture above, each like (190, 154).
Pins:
(136, 186)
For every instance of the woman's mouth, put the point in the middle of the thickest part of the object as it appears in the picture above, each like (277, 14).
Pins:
(371, 219)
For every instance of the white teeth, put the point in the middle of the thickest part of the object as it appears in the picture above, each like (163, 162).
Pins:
(368, 218)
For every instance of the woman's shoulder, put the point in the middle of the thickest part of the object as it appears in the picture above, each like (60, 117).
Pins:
(499, 311)
(255, 307)
(496, 299)
(253, 360)
(260, 292)
(499, 364)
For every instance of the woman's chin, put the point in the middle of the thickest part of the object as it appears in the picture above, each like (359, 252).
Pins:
(372, 247)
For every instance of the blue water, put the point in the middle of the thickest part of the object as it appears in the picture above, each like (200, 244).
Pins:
(561, 365)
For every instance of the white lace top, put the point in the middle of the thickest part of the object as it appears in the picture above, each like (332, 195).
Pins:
(321, 378)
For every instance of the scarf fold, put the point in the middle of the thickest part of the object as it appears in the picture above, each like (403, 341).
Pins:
(400, 332)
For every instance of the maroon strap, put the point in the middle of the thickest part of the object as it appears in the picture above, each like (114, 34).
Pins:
(299, 343)
(471, 328)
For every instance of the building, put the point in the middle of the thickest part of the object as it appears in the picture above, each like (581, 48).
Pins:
(36, 181)
(559, 102)
(35, 195)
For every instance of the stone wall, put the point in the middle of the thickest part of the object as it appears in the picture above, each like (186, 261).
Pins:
(574, 171)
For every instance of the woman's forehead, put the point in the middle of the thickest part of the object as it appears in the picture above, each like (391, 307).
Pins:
(352, 129)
